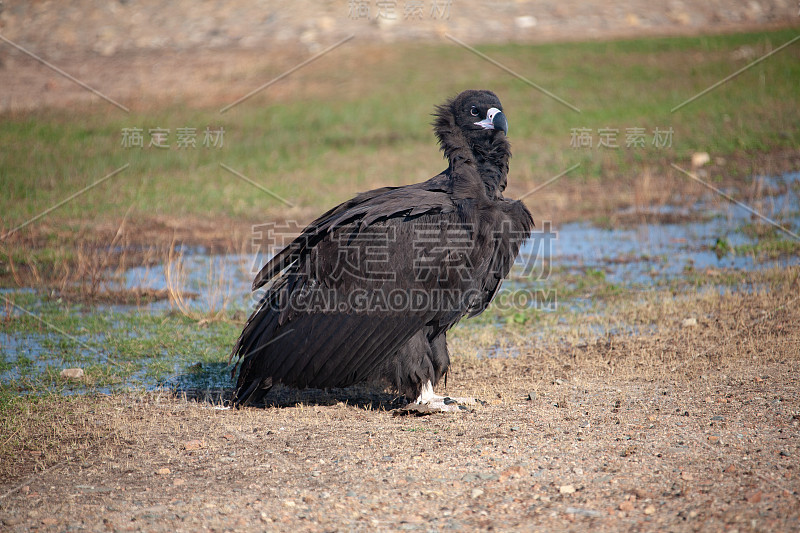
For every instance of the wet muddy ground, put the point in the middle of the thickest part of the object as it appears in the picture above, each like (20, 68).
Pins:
(669, 247)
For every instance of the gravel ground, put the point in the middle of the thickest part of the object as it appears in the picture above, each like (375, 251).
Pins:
(612, 455)
(690, 429)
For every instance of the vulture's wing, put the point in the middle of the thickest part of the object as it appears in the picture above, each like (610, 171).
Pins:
(379, 203)
(513, 227)
(342, 304)
(366, 277)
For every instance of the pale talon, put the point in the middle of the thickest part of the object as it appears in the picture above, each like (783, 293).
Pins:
(442, 403)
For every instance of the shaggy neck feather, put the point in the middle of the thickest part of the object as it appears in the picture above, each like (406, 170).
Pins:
(487, 157)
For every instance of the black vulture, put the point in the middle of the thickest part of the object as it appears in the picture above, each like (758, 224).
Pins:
(368, 290)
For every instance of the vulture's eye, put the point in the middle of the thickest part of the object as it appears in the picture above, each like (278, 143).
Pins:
(474, 111)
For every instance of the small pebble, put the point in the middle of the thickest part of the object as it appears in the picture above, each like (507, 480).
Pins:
(72, 373)
(689, 322)
(193, 445)
(566, 489)
(699, 159)
(512, 472)
(650, 509)
(476, 493)
(525, 21)
(754, 497)
(584, 512)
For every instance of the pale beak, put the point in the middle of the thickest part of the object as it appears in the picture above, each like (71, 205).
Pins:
(495, 120)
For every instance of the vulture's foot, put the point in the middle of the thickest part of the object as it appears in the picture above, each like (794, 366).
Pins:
(442, 403)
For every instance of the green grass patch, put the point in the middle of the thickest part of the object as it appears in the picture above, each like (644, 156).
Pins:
(770, 248)
(373, 127)
(126, 348)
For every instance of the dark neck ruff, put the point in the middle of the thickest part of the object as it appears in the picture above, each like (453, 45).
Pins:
(485, 161)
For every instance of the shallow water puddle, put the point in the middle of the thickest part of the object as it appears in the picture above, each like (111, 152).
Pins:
(644, 252)
(165, 344)
(205, 283)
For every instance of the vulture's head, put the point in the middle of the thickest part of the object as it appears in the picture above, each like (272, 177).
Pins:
(478, 114)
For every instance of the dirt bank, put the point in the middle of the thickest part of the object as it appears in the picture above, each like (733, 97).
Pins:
(688, 429)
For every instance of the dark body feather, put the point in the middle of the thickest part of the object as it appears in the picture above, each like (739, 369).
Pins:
(370, 288)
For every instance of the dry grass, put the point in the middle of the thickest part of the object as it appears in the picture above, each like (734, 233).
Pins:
(634, 197)
(678, 428)
(89, 263)
(216, 298)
